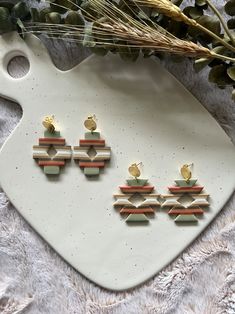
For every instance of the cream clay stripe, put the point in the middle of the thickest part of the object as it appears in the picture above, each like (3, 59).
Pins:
(171, 200)
(199, 200)
(81, 153)
(63, 153)
(122, 199)
(40, 152)
(150, 200)
(102, 154)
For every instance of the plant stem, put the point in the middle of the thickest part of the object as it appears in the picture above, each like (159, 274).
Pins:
(222, 57)
(214, 9)
(224, 43)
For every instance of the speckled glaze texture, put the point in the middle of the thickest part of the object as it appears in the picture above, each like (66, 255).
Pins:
(144, 114)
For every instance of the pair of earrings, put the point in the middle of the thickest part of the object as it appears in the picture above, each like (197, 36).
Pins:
(91, 154)
(138, 199)
(52, 151)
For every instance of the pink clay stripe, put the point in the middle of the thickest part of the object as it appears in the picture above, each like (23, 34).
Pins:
(92, 142)
(84, 164)
(136, 210)
(128, 188)
(51, 163)
(175, 189)
(51, 140)
(197, 211)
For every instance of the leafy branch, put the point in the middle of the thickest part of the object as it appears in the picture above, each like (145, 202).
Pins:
(133, 27)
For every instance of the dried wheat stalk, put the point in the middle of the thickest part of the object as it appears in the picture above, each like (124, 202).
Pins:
(155, 40)
(118, 29)
(124, 27)
(169, 9)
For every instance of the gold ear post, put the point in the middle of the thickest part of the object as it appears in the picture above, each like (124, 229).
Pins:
(186, 172)
(134, 170)
(90, 123)
(48, 123)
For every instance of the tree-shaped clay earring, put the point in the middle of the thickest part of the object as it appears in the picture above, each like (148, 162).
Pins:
(92, 152)
(185, 188)
(136, 189)
(52, 151)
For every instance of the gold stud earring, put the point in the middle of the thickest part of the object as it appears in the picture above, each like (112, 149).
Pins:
(139, 188)
(91, 152)
(186, 198)
(52, 151)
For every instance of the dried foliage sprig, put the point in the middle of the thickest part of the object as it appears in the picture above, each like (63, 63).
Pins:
(169, 9)
(131, 27)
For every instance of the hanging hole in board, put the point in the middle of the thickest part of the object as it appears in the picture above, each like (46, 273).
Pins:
(18, 66)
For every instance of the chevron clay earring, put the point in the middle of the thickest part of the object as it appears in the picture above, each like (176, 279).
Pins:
(92, 152)
(52, 151)
(186, 199)
(136, 190)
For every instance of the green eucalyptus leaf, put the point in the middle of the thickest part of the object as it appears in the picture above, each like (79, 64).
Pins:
(195, 12)
(231, 72)
(201, 63)
(100, 51)
(88, 39)
(35, 14)
(233, 95)
(62, 6)
(215, 62)
(219, 49)
(218, 75)
(53, 18)
(231, 24)
(201, 3)
(227, 38)
(74, 18)
(230, 7)
(154, 13)
(20, 10)
(21, 28)
(43, 13)
(87, 10)
(8, 4)
(5, 22)
(143, 16)
(210, 22)
(177, 2)
(178, 29)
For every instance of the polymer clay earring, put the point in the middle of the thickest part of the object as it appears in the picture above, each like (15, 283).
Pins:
(91, 152)
(136, 190)
(186, 198)
(52, 151)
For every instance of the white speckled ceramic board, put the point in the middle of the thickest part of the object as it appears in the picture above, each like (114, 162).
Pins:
(145, 115)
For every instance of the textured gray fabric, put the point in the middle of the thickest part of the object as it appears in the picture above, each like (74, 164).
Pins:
(34, 279)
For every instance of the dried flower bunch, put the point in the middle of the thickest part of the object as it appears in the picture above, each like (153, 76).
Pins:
(133, 27)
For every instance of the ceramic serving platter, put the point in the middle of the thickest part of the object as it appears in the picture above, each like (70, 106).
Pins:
(145, 115)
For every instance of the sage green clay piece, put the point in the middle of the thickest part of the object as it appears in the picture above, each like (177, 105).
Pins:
(183, 183)
(137, 218)
(51, 169)
(186, 218)
(138, 182)
(49, 134)
(92, 135)
(91, 171)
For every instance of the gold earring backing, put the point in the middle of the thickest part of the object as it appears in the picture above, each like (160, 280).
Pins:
(186, 172)
(90, 123)
(134, 170)
(48, 123)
